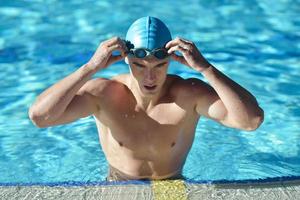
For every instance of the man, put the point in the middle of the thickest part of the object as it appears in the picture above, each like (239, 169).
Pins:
(146, 119)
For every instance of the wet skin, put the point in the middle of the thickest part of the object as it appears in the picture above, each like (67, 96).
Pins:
(147, 138)
(146, 119)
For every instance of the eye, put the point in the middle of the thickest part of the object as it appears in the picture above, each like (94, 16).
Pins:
(160, 65)
(138, 65)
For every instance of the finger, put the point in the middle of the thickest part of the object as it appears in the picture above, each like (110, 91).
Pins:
(177, 58)
(111, 41)
(117, 47)
(113, 59)
(176, 41)
(123, 43)
(118, 41)
(172, 43)
(177, 48)
(187, 46)
(186, 41)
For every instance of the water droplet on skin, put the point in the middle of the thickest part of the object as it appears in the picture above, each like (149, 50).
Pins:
(126, 115)
(133, 116)
(193, 83)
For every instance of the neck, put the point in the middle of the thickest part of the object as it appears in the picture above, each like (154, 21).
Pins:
(145, 102)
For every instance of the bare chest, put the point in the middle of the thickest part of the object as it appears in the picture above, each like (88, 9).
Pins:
(162, 127)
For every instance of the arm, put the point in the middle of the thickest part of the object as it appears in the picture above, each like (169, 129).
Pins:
(59, 103)
(70, 98)
(227, 102)
(224, 101)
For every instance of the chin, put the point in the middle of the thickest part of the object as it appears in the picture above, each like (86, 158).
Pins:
(151, 92)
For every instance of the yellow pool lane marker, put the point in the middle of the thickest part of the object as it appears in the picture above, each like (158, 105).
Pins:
(169, 190)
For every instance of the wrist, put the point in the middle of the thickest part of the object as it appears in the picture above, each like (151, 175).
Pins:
(92, 66)
(203, 67)
(87, 70)
(207, 70)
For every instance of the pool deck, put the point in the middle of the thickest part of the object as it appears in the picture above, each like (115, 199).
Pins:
(168, 190)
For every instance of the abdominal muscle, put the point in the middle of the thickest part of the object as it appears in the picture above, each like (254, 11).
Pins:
(143, 161)
(140, 164)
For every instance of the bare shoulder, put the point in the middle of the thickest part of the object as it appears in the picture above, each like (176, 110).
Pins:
(99, 86)
(122, 78)
(191, 87)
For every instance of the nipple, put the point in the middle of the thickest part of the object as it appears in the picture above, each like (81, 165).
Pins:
(121, 144)
(173, 143)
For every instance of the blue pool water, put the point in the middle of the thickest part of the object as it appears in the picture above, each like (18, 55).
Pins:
(256, 43)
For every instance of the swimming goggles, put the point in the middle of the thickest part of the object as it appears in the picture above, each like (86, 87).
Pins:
(159, 53)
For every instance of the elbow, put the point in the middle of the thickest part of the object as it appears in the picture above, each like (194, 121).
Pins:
(255, 121)
(36, 119)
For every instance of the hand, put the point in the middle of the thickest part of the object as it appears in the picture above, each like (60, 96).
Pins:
(103, 57)
(191, 55)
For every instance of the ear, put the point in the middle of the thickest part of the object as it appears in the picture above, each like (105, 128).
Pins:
(126, 60)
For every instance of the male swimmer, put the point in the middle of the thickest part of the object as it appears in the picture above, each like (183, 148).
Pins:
(146, 119)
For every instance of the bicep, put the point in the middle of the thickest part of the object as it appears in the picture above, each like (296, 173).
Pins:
(210, 105)
(82, 105)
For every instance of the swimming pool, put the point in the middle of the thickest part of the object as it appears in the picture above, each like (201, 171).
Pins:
(255, 43)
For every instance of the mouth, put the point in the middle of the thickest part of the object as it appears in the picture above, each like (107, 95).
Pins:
(150, 88)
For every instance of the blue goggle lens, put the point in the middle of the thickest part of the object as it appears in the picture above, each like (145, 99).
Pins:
(142, 53)
(160, 54)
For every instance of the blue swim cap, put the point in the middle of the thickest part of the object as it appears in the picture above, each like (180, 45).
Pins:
(148, 32)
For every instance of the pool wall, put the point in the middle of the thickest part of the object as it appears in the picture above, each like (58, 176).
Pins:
(272, 188)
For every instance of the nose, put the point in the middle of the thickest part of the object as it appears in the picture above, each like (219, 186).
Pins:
(150, 76)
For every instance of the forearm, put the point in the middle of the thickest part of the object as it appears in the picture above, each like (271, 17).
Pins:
(240, 104)
(53, 101)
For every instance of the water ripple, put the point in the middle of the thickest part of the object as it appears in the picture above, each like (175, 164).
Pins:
(256, 43)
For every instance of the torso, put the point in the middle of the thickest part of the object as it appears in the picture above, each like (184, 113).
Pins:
(146, 144)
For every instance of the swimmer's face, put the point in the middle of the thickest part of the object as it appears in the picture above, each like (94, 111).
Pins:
(149, 73)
